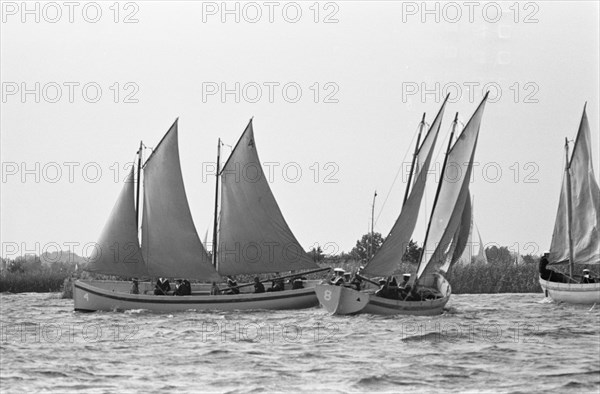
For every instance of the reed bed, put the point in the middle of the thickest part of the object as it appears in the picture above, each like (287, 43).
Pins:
(474, 278)
(36, 282)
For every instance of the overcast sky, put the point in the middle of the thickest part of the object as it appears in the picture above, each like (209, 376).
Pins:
(336, 89)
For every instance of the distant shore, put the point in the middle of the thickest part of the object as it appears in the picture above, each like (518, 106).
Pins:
(468, 279)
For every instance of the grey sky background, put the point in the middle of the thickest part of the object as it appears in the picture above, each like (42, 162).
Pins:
(372, 57)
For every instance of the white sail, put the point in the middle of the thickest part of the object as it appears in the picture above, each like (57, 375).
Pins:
(585, 206)
(118, 250)
(253, 235)
(170, 244)
(452, 195)
(480, 257)
(389, 256)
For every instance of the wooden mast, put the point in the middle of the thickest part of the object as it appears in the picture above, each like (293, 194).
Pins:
(437, 193)
(414, 159)
(139, 177)
(214, 245)
(370, 253)
(569, 208)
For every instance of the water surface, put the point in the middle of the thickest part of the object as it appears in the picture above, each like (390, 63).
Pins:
(513, 343)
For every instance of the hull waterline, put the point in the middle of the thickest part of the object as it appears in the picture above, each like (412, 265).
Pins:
(572, 293)
(114, 296)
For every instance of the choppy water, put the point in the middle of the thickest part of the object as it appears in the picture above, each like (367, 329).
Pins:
(483, 343)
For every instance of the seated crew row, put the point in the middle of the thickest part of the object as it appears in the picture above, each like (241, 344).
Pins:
(277, 284)
(388, 287)
(183, 286)
(553, 276)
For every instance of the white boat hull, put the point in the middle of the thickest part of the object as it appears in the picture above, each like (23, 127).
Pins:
(572, 293)
(114, 296)
(340, 300)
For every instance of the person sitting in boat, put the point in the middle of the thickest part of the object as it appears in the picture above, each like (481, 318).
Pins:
(386, 291)
(297, 283)
(404, 288)
(382, 288)
(258, 286)
(347, 275)
(183, 288)
(233, 286)
(548, 274)
(187, 287)
(214, 290)
(134, 286)
(587, 278)
(276, 285)
(178, 287)
(338, 277)
(162, 286)
(356, 281)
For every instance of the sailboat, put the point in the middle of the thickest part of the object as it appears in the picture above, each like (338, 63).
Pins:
(576, 238)
(253, 238)
(445, 238)
(474, 251)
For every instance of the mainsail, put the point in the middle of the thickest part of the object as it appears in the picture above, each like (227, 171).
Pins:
(451, 199)
(388, 258)
(253, 235)
(170, 244)
(118, 250)
(585, 206)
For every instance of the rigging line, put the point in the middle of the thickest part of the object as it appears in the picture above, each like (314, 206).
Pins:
(398, 173)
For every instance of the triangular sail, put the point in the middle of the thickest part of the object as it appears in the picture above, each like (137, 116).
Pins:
(585, 201)
(388, 258)
(170, 244)
(118, 249)
(480, 257)
(474, 250)
(453, 193)
(253, 235)
(459, 244)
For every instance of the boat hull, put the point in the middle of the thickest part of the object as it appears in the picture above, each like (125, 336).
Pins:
(340, 300)
(114, 296)
(572, 293)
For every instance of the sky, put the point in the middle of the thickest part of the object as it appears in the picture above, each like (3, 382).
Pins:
(336, 89)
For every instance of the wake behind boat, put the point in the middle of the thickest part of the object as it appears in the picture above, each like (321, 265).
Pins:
(445, 239)
(576, 237)
(252, 238)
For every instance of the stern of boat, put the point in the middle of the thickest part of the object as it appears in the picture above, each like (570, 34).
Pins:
(572, 293)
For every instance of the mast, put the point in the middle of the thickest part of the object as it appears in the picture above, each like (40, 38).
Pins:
(569, 207)
(372, 227)
(214, 245)
(437, 193)
(137, 196)
(414, 159)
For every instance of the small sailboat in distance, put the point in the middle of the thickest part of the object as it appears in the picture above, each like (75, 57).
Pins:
(576, 237)
(445, 238)
(254, 238)
(474, 250)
